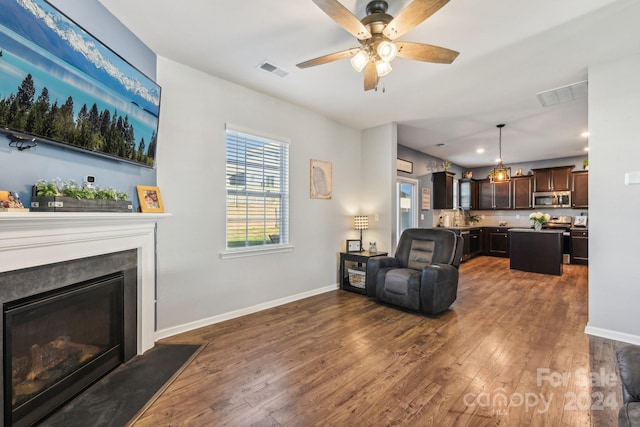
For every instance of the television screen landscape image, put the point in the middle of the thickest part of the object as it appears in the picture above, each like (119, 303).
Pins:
(60, 84)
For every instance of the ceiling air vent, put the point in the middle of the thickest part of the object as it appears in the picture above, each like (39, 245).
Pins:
(563, 94)
(273, 69)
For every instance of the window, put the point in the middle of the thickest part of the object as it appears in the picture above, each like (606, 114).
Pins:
(257, 191)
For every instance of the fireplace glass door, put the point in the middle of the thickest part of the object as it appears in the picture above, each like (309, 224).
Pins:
(58, 343)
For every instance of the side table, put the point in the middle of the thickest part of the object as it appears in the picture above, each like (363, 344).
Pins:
(354, 259)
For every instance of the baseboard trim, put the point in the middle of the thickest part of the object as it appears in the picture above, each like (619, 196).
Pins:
(612, 335)
(169, 332)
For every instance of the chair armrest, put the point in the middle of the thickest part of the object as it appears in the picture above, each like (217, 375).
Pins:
(374, 265)
(628, 359)
(439, 287)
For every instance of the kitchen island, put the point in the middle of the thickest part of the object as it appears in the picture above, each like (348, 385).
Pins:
(536, 251)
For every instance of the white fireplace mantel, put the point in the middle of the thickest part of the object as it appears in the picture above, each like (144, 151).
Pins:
(33, 239)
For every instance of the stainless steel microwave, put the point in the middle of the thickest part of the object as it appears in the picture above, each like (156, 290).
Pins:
(552, 199)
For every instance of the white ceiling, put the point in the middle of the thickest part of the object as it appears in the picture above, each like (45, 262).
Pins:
(509, 51)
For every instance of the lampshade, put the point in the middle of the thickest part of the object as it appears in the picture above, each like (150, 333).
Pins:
(383, 68)
(359, 60)
(361, 222)
(387, 51)
(500, 173)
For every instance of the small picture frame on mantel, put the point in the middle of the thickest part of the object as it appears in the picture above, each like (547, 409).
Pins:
(150, 199)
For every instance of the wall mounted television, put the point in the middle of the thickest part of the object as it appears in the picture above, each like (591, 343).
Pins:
(61, 85)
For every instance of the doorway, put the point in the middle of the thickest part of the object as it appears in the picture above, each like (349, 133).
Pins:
(406, 205)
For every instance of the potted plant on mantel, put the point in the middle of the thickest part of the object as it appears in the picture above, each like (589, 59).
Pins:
(69, 196)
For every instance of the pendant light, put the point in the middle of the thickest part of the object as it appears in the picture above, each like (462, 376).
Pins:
(500, 173)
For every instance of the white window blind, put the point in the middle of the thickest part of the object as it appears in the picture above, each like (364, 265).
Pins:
(257, 191)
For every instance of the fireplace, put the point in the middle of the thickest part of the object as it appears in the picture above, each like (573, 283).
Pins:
(43, 253)
(64, 326)
(57, 343)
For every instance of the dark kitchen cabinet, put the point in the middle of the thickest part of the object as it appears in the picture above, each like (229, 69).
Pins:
(485, 194)
(475, 241)
(494, 196)
(522, 192)
(468, 194)
(580, 247)
(496, 241)
(580, 190)
(443, 190)
(552, 179)
(502, 195)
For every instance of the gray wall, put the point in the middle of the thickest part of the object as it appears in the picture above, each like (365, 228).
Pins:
(614, 270)
(21, 169)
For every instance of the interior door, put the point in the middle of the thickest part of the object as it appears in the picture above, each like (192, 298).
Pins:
(406, 205)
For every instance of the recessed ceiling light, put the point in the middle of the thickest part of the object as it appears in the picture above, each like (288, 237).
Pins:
(480, 150)
(585, 134)
(586, 148)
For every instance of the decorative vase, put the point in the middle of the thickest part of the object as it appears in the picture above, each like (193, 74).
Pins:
(537, 226)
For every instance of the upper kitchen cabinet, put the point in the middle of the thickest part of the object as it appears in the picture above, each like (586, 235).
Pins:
(580, 190)
(494, 196)
(468, 194)
(443, 190)
(552, 179)
(522, 192)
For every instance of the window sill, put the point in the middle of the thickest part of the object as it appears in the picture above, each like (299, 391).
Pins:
(247, 252)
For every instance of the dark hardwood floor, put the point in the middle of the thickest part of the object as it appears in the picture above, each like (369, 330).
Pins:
(511, 352)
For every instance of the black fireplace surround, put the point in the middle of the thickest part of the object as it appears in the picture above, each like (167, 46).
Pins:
(88, 288)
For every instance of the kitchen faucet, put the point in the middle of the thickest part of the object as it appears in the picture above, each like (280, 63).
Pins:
(461, 215)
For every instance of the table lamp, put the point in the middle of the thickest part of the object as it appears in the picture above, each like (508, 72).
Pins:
(361, 222)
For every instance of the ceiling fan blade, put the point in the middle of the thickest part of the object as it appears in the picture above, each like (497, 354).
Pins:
(412, 15)
(344, 18)
(426, 52)
(328, 58)
(370, 76)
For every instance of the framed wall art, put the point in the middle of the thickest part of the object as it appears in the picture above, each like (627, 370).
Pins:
(321, 179)
(405, 166)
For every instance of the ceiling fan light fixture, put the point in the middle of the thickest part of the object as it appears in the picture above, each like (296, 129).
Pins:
(387, 50)
(383, 68)
(360, 60)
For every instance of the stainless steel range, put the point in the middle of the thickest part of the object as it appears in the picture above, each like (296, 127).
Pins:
(563, 223)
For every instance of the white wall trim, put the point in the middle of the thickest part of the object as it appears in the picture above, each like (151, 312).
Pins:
(612, 335)
(169, 332)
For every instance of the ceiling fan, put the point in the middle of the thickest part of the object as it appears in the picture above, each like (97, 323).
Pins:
(376, 33)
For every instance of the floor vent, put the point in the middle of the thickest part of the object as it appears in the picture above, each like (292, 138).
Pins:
(563, 94)
(273, 69)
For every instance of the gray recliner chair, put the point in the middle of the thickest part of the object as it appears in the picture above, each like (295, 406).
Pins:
(628, 359)
(423, 275)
